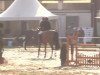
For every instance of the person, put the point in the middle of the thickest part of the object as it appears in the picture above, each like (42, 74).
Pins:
(44, 26)
(63, 55)
(1, 44)
(81, 34)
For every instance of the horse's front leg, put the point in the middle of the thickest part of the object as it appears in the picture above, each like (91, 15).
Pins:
(45, 50)
(72, 51)
(52, 51)
(39, 46)
(24, 45)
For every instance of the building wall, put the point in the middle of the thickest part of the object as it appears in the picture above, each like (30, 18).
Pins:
(80, 10)
(84, 20)
(98, 20)
(76, 6)
(98, 28)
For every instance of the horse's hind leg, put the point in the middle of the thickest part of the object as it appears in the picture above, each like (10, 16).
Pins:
(45, 51)
(39, 50)
(24, 45)
(51, 54)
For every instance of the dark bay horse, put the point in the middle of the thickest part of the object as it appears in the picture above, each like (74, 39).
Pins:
(31, 38)
(27, 39)
(49, 37)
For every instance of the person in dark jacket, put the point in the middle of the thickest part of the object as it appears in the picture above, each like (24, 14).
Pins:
(81, 34)
(45, 24)
(63, 55)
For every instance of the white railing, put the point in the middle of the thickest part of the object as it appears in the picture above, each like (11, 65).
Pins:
(84, 38)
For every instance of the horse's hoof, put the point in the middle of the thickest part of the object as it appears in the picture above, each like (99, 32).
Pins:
(37, 56)
(25, 49)
(50, 58)
(44, 56)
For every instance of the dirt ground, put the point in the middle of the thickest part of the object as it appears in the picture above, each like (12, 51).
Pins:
(21, 62)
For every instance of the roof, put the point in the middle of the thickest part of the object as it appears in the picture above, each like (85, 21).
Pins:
(26, 10)
(66, 1)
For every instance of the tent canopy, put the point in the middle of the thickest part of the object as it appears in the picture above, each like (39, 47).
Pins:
(26, 10)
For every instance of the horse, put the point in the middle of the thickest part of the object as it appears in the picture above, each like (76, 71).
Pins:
(27, 39)
(30, 38)
(72, 42)
(49, 37)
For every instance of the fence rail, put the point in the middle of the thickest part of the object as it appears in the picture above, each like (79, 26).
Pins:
(87, 60)
(85, 39)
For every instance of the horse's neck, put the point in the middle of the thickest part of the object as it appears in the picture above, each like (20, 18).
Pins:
(76, 35)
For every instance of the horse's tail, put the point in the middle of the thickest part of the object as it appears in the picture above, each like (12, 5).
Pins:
(56, 40)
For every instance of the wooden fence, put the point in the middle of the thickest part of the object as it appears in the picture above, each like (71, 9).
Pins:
(88, 57)
(83, 56)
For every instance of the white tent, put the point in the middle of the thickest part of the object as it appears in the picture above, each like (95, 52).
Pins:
(26, 10)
